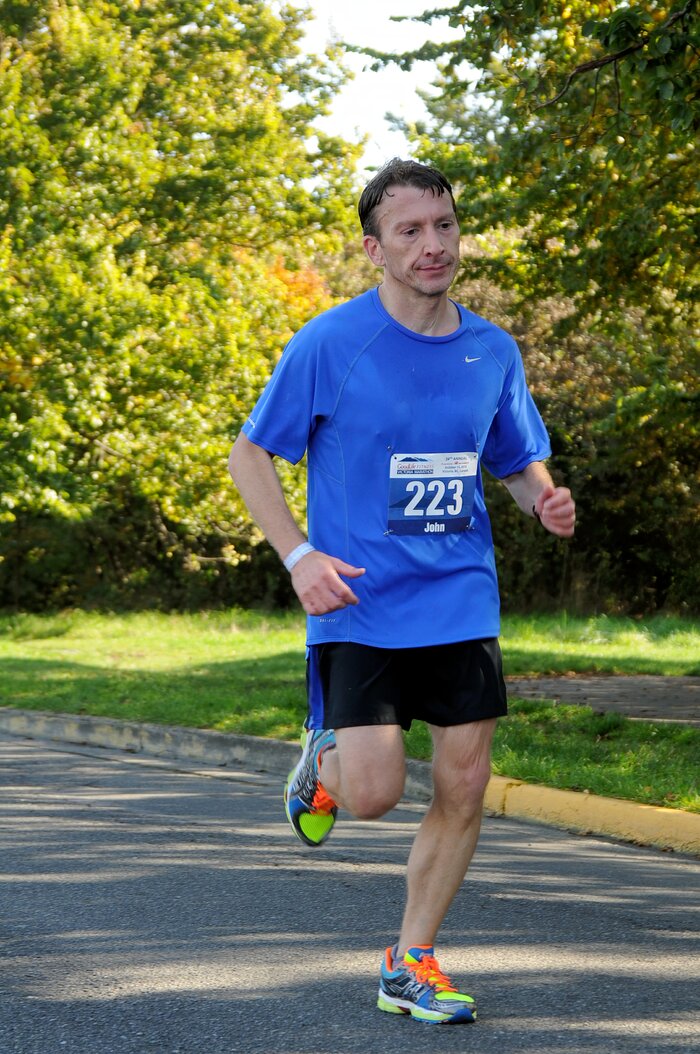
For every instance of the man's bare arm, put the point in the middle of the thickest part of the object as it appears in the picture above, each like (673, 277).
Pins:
(534, 492)
(316, 577)
(253, 471)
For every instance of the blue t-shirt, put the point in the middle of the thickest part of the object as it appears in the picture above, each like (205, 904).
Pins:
(397, 426)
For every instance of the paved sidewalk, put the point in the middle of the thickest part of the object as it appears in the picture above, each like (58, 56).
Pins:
(644, 697)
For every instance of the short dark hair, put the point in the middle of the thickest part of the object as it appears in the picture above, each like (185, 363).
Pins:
(398, 173)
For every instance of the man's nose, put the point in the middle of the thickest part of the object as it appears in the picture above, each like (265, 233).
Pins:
(432, 244)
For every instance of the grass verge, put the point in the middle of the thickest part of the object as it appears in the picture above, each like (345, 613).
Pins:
(243, 672)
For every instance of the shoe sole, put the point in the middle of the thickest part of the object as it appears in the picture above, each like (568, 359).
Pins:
(426, 1017)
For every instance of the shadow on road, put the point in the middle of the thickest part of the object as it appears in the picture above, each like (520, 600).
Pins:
(148, 909)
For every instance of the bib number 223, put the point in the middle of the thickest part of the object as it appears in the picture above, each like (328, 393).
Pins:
(431, 493)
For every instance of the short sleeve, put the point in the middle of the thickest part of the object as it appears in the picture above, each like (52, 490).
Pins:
(283, 416)
(517, 435)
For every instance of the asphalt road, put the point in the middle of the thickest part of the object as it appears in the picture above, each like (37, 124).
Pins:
(145, 908)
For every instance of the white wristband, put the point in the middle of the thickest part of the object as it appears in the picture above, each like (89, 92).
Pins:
(295, 556)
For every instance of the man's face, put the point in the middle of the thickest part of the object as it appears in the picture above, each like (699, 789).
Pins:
(418, 244)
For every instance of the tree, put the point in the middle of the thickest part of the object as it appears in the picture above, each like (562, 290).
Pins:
(569, 131)
(571, 128)
(162, 192)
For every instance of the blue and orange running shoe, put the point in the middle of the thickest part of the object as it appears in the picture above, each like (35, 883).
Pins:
(417, 986)
(310, 810)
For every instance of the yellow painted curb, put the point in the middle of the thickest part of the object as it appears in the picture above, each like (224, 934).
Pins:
(591, 814)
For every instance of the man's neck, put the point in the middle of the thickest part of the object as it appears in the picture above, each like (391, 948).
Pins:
(430, 316)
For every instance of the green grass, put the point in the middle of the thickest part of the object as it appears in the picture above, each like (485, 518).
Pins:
(243, 672)
(233, 671)
(543, 644)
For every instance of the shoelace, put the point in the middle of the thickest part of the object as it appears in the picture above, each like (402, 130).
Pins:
(322, 800)
(427, 971)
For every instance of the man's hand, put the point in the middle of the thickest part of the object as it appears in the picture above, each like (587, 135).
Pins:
(556, 510)
(317, 583)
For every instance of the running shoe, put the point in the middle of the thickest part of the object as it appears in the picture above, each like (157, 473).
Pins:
(310, 810)
(417, 986)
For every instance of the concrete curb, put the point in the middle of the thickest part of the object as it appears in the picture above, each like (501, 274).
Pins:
(584, 813)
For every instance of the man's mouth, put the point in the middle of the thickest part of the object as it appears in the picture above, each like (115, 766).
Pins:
(434, 268)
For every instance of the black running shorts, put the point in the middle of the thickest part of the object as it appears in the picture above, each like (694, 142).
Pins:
(444, 684)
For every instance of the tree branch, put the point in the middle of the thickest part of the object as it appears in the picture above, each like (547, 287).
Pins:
(586, 67)
(606, 60)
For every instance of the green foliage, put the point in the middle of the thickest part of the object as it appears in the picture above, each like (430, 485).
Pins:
(572, 127)
(167, 212)
(161, 194)
(569, 131)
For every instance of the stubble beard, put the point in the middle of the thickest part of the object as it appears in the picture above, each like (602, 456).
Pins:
(433, 291)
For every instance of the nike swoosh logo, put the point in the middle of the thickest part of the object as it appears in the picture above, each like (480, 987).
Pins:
(477, 359)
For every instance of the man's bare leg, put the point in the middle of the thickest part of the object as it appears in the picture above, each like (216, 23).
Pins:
(447, 837)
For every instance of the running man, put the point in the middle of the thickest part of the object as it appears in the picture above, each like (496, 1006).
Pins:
(399, 397)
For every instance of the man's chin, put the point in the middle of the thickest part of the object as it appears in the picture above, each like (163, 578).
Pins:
(434, 289)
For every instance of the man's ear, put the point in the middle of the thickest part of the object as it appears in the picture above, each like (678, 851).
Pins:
(373, 249)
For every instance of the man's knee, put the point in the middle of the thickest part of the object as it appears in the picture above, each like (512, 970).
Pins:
(462, 765)
(372, 770)
(465, 783)
(369, 800)
(476, 779)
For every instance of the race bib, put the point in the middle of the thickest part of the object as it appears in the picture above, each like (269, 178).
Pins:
(431, 493)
